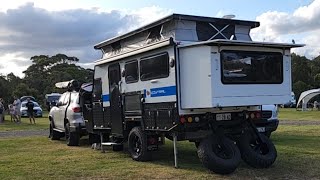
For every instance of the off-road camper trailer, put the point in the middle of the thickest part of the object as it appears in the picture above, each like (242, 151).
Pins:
(192, 78)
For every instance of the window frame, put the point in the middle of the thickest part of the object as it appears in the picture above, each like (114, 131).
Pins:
(138, 71)
(248, 82)
(146, 58)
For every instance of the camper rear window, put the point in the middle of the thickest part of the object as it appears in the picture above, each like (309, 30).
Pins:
(154, 67)
(131, 72)
(251, 67)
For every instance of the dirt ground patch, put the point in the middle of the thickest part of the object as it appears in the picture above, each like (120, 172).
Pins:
(299, 122)
(24, 133)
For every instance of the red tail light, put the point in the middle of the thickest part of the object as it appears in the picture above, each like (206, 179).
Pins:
(258, 115)
(182, 120)
(76, 109)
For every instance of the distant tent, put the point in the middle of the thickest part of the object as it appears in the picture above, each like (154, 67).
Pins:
(306, 96)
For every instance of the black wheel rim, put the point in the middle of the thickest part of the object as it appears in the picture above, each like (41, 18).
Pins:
(136, 145)
(222, 151)
(259, 147)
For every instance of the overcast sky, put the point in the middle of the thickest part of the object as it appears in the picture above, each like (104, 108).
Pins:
(72, 27)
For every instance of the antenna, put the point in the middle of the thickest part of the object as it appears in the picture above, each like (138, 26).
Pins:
(229, 16)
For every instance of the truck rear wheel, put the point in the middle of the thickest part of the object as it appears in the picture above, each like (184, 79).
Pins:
(255, 153)
(219, 154)
(138, 146)
(72, 138)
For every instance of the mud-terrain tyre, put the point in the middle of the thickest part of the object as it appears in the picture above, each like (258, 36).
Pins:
(268, 134)
(53, 135)
(138, 145)
(72, 138)
(219, 154)
(255, 154)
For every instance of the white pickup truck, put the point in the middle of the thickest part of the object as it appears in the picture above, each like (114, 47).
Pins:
(269, 121)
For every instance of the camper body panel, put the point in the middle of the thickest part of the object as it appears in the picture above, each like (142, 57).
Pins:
(201, 78)
(157, 95)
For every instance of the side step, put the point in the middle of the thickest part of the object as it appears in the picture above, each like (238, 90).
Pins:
(59, 130)
(109, 144)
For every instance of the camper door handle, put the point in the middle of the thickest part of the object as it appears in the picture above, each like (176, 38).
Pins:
(154, 81)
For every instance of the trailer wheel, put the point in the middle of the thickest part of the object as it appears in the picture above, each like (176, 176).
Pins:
(72, 138)
(268, 134)
(53, 135)
(255, 153)
(219, 154)
(137, 145)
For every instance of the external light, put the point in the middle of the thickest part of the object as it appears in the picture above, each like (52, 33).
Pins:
(76, 109)
(258, 115)
(189, 119)
(252, 116)
(182, 120)
(196, 119)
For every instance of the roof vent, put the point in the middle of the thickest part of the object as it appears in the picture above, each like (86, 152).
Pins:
(229, 16)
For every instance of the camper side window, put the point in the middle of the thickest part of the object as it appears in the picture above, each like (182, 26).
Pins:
(154, 67)
(131, 72)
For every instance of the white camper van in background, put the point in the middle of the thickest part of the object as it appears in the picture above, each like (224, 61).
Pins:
(192, 78)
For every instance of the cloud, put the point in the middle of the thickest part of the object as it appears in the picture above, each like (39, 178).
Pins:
(303, 25)
(28, 30)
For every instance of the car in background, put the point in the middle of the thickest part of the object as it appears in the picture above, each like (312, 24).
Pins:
(269, 119)
(37, 110)
(52, 100)
(292, 103)
(24, 98)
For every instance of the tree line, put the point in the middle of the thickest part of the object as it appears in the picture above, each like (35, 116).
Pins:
(45, 71)
(41, 76)
(305, 74)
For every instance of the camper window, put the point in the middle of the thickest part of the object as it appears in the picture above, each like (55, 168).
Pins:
(131, 72)
(250, 67)
(154, 67)
(97, 89)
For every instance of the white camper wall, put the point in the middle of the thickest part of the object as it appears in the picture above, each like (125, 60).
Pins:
(250, 94)
(195, 77)
(101, 71)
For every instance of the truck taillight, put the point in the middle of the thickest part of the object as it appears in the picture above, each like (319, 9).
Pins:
(76, 109)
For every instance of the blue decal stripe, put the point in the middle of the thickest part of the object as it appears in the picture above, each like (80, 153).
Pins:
(105, 98)
(163, 91)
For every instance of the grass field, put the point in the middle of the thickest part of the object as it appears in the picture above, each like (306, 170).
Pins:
(41, 123)
(40, 158)
(293, 114)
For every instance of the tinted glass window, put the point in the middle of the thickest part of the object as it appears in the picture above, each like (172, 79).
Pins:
(249, 67)
(154, 67)
(131, 71)
(97, 89)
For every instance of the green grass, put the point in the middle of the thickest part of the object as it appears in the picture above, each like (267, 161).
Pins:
(41, 123)
(40, 158)
(293, 114)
